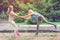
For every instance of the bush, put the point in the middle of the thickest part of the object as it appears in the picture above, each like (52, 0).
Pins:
(18, 20)
(48, 8)
(3, 16)
(56, 17)
(32, 22)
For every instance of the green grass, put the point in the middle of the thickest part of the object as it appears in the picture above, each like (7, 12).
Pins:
(57, 23)
(24, 23)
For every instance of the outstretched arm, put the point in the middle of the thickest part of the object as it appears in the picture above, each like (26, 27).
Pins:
(23, 17)
(14, 14)
(26, 16)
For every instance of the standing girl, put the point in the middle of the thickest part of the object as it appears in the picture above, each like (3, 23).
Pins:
(11, 14)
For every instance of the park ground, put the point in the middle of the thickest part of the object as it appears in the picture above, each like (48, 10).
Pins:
(31, 36)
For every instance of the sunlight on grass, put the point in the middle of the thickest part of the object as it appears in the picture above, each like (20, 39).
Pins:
(23, 23)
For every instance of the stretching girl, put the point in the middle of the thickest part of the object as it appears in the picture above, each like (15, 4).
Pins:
(11, 14)
(35, 16)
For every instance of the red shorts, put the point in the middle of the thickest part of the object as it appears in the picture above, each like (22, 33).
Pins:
(39, 18)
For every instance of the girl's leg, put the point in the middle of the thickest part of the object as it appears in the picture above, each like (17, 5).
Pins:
(37, 31)
(43, 18)
(38, 22)
(15, 27)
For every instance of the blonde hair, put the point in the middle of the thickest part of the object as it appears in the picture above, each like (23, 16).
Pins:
(10, 8)
(30, 11)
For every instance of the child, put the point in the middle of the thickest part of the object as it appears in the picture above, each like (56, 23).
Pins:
(11, 14)
(36, 16)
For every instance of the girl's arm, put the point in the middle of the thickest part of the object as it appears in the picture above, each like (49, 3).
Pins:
(15, 14)
(20, 16)
(26, 16)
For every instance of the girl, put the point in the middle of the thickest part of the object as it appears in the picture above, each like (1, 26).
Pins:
(11, 14)
(36, 16)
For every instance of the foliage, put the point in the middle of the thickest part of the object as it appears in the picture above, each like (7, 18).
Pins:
(48, 8)
(3, 16)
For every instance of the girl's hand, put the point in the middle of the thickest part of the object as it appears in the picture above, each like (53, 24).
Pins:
(21, 16)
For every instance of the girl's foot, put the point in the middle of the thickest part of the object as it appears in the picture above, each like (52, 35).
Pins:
(16, 35)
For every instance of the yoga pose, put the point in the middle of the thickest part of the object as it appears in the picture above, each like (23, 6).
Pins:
(11, 14)
(36, 16)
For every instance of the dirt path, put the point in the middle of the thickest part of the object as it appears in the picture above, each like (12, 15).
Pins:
(31, 36)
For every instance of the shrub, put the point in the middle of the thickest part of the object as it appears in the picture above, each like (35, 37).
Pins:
(32, 22)
(3, 16)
